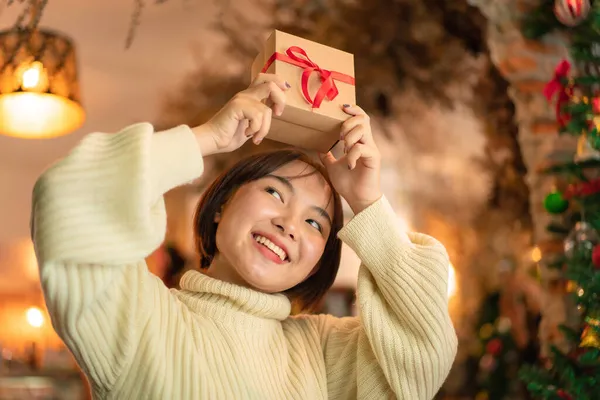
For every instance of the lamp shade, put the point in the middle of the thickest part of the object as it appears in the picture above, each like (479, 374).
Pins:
(39, 88)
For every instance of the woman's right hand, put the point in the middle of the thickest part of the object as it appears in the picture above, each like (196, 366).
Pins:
(245, 116)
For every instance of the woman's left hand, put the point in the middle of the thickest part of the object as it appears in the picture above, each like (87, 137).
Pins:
(356, 175)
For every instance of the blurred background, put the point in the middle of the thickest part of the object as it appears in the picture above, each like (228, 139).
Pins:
(455, 94)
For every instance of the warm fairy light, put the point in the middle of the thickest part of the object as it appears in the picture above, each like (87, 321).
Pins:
(35, 317)
(536, 254)
(451, 281)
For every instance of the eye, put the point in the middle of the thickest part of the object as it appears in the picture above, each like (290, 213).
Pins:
(274, 193)
(315, 224)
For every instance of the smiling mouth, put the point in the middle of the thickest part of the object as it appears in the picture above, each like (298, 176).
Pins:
(276, 250)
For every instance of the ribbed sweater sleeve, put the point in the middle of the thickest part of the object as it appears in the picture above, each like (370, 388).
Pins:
(403, 343)
(96, 215)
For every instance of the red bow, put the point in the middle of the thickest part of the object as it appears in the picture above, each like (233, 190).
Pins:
(297, 56)
(556, 86)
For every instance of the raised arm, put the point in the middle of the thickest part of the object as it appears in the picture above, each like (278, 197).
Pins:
(96, 215)
(100, 211)
(403, 343)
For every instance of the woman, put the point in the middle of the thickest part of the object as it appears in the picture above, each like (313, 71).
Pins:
(268, 235)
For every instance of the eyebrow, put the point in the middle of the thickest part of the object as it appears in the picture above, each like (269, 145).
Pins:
(286, 182)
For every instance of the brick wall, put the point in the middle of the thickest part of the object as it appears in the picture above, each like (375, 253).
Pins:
(527, 65)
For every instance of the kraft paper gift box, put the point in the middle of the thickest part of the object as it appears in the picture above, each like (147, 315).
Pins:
(321, 79)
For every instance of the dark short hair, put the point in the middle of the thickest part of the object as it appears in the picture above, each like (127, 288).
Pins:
(307, 295)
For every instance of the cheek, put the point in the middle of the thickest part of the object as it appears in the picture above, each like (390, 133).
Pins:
(313, 249)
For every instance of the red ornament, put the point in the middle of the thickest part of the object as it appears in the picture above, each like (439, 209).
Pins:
(563, 395)
(571, 12)
(596, 256)
(596, 105)
(494, 347)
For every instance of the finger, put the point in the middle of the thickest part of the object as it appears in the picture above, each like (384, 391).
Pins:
(279, 81)
(266, 125)
(327, 158)
(354, 136)
(353, 122)
(270, 91)
(360, 151)
(353, 109)
(254, 114)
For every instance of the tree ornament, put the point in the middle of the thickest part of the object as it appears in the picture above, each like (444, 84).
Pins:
(486, 331)
(585, 150)
(555, 203)
(581, 241)
(572, 287)
(596, 256)
(563, 395)
(487, 363)
(592, 320)
(571, 12)
(503, 325)
(590, 338)
(494, 347)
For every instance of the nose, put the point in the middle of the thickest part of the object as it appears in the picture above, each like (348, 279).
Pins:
(287, 226)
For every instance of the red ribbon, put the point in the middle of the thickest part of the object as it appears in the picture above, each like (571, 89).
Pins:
(298, 57)
(556, 86)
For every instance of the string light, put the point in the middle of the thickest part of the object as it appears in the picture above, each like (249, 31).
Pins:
(536, 254)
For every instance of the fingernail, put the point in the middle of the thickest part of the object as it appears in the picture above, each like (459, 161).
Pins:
(287, 85)
(346, 105)
(258, 141)
(349, 167)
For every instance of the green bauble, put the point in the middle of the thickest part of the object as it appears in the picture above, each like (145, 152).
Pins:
(555, 203)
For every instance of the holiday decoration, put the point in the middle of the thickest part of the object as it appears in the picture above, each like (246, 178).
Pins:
(596, 256)
(559, 88)
(494, 347)
(570, 367)
(555, 203)
(581, 241)
(583, 189)
(585, 151)
(590, 338)
(571, 12)
(563, 395)
(500, 354)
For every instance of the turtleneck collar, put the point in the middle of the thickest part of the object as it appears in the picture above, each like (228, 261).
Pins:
(217, 298)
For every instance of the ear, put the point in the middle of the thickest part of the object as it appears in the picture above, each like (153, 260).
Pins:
(217, 217)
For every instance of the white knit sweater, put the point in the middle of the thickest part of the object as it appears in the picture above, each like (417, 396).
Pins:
(99, 212)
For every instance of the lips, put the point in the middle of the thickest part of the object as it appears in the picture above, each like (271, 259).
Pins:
(272, 247)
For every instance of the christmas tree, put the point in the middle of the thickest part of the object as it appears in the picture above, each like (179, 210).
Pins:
(573, 372)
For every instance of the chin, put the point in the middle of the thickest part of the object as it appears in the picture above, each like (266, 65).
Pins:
(259, 280)
(264, 277)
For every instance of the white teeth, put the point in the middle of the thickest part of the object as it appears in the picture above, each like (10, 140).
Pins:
(271, 246)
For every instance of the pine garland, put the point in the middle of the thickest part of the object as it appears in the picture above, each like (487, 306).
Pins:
(575, 373)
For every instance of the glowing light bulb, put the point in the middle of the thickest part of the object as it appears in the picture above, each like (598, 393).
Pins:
(33, 77)
(35, 317)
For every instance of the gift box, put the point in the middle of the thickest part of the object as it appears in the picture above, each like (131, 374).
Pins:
(322, 80)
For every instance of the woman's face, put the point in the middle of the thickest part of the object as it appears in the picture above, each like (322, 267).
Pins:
(272, 232)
